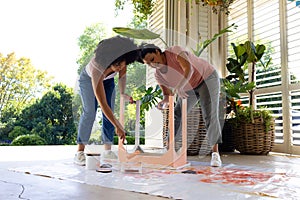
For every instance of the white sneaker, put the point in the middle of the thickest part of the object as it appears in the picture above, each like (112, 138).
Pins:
(215, 160)
(108, 156)
(79, 158)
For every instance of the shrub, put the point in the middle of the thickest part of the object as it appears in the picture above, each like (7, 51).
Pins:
(17, 131)
(29, 139)
(130, 140)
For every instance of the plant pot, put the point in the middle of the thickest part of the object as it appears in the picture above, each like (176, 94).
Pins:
(252, 138)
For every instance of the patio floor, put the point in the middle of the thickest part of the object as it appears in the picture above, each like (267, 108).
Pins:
(48, 172)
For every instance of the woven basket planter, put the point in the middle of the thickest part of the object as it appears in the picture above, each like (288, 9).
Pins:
(196, 133)
(253, 139)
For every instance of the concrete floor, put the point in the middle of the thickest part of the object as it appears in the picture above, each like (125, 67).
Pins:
(17, 185)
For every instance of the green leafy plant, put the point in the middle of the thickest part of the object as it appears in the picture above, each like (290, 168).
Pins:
(144, 34)
(142, 8)
(149, 98)
(245, 114)
(17, 131)
(246, 55)
(130, 140)
(29, 139)
(201, 46)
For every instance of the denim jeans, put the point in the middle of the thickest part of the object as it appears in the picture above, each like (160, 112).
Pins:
(208, 92)
(89, 109)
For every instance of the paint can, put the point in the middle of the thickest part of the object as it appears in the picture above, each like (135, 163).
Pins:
(92, 161)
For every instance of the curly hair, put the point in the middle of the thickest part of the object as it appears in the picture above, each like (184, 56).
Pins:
(116, 49)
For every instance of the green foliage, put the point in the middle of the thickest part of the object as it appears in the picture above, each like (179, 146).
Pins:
(17, 131)
(245, 114)
(136, 77)
(76, 108)
(149, 97)
(142, 8)
(217, 6)
(51, 117)
(246, 54)
(144, 34)
(136, 23)
(20, 83)
(130, 140)
(29, 139)
(6, 126)
(88, 42)
(201, 46)
(136, 33)
(234, 89)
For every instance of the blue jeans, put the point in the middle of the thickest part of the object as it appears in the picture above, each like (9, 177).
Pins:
(89, 109)
(208, 92)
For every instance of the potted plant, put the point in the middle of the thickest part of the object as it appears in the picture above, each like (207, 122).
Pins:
(218, 6)
(253, 129)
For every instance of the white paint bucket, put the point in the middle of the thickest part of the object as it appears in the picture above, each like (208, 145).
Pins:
(92, 161)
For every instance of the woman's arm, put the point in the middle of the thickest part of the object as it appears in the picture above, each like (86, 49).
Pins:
(98, 87)
(188, 70)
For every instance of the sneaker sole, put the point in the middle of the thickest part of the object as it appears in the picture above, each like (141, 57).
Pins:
(80, 164)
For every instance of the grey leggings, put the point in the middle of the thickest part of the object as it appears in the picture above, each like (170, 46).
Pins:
(208, 92)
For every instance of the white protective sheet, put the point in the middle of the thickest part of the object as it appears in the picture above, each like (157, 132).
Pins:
(227, 182)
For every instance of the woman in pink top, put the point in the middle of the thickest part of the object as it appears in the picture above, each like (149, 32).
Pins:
(180, 72)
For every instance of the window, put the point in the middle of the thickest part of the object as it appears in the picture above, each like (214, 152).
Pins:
(274, 23)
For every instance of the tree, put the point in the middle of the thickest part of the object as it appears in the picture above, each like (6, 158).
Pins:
(136, 72)
(88, 42)
(20, 83)
(51, 117)
(136, 78)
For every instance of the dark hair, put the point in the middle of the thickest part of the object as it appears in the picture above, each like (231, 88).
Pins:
(116, 49)
(144, 49)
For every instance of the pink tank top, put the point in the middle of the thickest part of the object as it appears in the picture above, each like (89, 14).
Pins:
(202, 69)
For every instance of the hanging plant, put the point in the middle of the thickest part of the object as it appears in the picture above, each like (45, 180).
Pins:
(218, 6)
(142, 8)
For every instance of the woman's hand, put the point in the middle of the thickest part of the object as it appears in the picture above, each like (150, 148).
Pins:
(164, 104)
(180, 92)
(121, 133)
(128, 98)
